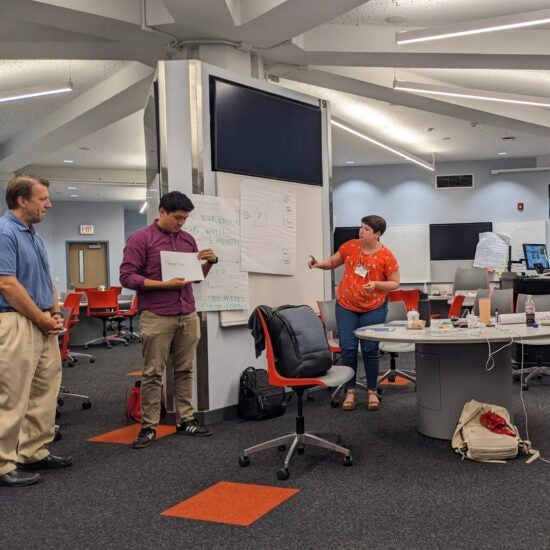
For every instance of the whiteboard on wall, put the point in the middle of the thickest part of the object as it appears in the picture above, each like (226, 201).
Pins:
(533, 231)
(306, 285)
(410, 244)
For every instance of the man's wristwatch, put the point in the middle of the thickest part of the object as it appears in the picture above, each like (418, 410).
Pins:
(57, 313)
(213, 262)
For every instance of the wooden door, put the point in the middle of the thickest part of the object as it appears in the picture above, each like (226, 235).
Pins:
(87, 265)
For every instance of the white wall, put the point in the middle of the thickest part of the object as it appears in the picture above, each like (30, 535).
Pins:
(62, 225)
(405, 195)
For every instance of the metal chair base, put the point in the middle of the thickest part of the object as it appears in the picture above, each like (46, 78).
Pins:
(107, 340)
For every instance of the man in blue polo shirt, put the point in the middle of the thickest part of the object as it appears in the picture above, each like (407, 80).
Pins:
(30, 363)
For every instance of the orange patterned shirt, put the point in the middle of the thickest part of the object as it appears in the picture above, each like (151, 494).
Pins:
(380, 265)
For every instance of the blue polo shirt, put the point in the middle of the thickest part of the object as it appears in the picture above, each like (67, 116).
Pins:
(23, 255)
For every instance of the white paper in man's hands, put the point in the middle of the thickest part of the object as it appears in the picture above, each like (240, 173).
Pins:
(180, 264)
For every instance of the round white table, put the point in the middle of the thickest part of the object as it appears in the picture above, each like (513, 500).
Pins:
(451, 369)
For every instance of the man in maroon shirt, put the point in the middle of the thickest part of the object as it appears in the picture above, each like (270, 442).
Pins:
(169, 323)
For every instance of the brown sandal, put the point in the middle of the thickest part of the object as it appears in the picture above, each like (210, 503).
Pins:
(373, 403)
(350, 402)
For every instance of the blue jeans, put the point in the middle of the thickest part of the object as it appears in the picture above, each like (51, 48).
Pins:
(348, 321)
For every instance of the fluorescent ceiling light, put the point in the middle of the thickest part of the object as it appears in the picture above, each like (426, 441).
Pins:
(452, 91)
(34, 91)
(394, 150)
(68, 161)
(72, 188)
(74, 196)
(143, 207)
(493, 24)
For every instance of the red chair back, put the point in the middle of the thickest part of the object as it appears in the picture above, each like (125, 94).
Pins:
(133, 311)
(84, 288)
(102, 303)
(117, 289)
(273, 375)
(395, 296)
(72, 302)
(456, 306)
(411, 298)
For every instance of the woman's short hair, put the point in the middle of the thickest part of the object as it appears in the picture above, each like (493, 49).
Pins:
(21, 186)
(175, 200)
(376, 223)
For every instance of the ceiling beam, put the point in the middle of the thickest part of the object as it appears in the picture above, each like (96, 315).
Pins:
(387, 95)
(111, 100)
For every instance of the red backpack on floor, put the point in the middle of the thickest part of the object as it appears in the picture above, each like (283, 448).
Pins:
(132, 408)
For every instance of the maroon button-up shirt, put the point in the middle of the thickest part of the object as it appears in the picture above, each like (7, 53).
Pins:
(141, 260)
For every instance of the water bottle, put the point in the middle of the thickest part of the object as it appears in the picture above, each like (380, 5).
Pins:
(529, 311)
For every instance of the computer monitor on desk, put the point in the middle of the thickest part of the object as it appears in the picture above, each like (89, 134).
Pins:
(536, 257)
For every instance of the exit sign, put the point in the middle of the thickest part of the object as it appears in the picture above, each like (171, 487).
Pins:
(87, 229)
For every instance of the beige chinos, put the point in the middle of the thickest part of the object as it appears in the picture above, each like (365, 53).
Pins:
(164, 336)
(30, 376)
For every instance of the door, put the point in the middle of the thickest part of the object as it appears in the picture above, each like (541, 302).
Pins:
(87, 264)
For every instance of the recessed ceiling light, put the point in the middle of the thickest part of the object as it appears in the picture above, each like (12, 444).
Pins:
(74, 196)
(502, 153)
(72, 188)
(68, 161)
(395, 19)
(350, 162)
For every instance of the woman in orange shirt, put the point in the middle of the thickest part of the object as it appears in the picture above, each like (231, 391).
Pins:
(371, 271)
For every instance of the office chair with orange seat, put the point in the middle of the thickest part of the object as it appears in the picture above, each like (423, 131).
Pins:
(103, 304)
(395, 296)
(411, 298)
(335, 376)
(66, 356)
(396, 312)
(129, 314)
(455, 309)
(72, 304)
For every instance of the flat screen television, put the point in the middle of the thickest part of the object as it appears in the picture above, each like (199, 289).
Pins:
(152, 135)
(456, 241)
(535, 254)
(257, 133)
(344, 234)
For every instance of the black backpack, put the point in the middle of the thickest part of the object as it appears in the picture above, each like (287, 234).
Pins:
(299, 342)
(257, 398)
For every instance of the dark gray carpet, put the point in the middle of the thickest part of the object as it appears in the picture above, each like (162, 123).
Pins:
(403, 491)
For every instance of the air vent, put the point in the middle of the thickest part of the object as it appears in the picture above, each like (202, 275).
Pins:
(454, 181)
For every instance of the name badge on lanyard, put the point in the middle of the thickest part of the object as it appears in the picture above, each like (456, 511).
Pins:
(361, 270)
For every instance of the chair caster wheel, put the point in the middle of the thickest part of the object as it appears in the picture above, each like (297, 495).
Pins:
(87, 405)
(244, 461)
(75, 360)
(85, 347)
(524, 387)
(283, 474)
(334, 404)
(301, 450)
(92, 360)
(348, 461)
(281, 448)
(125, 343)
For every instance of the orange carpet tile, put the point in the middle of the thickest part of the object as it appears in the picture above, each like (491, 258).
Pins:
(127, 434)
(231, 503)
(135, 373)
(398, 382)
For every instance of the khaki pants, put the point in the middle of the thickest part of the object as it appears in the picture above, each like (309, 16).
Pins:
(167, 336)
(30, 376)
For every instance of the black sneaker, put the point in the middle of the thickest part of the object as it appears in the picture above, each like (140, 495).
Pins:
(192, 428)
(145, 437)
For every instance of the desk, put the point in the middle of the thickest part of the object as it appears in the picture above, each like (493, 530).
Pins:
(450, 370)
